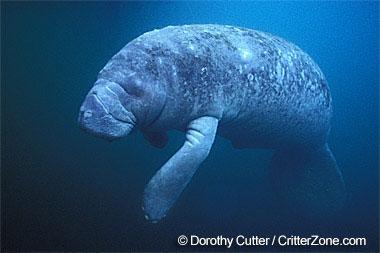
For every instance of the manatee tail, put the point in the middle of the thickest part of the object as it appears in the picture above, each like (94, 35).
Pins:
(308, 181)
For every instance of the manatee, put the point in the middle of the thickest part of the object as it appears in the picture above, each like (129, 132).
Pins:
(250, 87)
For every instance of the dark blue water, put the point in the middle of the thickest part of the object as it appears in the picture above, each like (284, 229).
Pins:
(65, 190)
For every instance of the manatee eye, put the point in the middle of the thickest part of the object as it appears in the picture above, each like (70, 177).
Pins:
(134, 89)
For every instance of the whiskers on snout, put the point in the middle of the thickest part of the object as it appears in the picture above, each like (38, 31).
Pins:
(102, 115)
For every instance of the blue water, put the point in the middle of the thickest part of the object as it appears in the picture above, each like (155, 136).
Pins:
(65, 190)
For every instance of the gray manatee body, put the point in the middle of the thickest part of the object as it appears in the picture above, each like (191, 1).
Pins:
(253, 88)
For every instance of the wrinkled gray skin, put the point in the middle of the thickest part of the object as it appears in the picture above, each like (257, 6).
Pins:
(255, 89)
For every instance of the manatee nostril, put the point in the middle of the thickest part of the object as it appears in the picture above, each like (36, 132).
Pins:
(87, 114)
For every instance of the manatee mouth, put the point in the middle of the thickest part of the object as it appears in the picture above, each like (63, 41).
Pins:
(113, 115)
(103, 116)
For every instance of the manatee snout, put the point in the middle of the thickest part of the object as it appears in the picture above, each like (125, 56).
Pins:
(103, 114)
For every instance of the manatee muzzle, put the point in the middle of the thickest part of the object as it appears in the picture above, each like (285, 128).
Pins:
(103, 115)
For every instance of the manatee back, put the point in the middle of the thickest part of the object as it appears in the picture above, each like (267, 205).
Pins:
(239, 75)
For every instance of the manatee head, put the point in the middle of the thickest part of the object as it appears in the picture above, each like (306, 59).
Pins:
(121, 99)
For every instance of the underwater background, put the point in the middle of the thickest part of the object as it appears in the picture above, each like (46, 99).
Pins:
(63, 189)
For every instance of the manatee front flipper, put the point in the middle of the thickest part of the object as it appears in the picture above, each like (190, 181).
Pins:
(308, 181)
(168, 183)
(157, 139)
